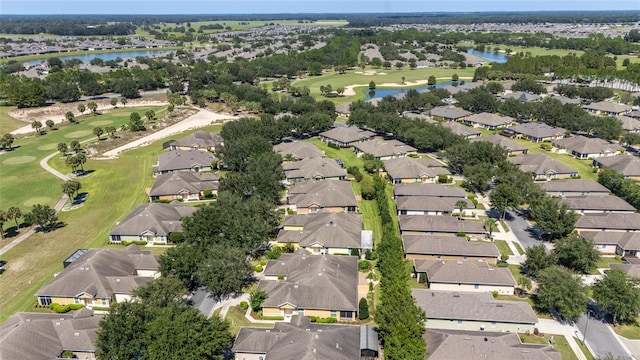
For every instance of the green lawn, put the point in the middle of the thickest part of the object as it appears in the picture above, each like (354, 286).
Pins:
(560, 344)
(7, 122)
(584, 349)
(115, 188)
(503, 247)
(604, 262)
(236, 319)
(629, 331)
(519, 248)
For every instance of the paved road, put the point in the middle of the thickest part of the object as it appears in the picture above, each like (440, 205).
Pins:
(520, 228)
(602, 339)
(201, 300)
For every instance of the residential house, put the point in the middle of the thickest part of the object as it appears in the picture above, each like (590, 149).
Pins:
(425, 205)
(485, 345)
(184, 186)
(315, 168)
(566, 100)
(573, 187)
(430, 190)
(184, 160)
(384, 150)
(607, 108)
(414, 170)
(635, 114)
(629, 124)
(586, 148)
(100, 277)
(297, 150)
(597, 204)
(632, 270)
(475, 276)
(153, 223)
(627, 165)
(343, 109)
(199, 140)
(448, 113)
(28, 336)
(323, 233)
(537, 132)
(466, 132)
(512, 147)
(609, 222)
(488, 121)
(457, 248)
(542, 167)
(303, 339)
(521, 96)
(418, 116)
(346, 136)
(474, 311)
(313, 196)
(322, 286)
(625, 244)
(439, 225)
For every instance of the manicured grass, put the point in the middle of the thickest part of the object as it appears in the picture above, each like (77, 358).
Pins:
(516, 270)
(115, 188)
(503, 247)
(560, 344)
(584, 349)
(7, 122)
(629, 331)
(236, 319)
(519, 248)
(371, 219)
(604, 262)
(382, 76)
(632, 59)
(494, 227)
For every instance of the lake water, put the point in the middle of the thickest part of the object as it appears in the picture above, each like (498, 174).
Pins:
(106, 56)
(490, 56)
(380, 93)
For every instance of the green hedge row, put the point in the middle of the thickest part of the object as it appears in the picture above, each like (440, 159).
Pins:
(61, 309)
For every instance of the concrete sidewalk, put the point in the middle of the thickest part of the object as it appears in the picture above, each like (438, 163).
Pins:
(548, 326)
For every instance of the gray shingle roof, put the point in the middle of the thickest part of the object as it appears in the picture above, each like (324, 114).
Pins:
(573, 185)
(633, 270)
(447, 112)
(540, 164)
(502, 141)
(489, 119)
(28, 336)
(96, 271)
(597, 202)
(313, 168)
(467, 305)
(428, 190)
(607, 106)
(439, 224)
(627, 165)
(629, 123)
(454, 345)
(447, 245)
(537, 130)
(384, 148)
(464, 272)
(461, 130)
(200, 140)
(298, 150)
(347, 134)
(585, 145)
(328, 282)
(301, 340)
(157, 218)
(175, 182)
(610, 221)
(324, 193)
(328, 229)
(184, 160)
(410, 168)
(626, 240)
(428, 203)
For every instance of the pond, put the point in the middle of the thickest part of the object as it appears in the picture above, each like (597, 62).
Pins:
(106, 56)
(490, 56)
(380, 93)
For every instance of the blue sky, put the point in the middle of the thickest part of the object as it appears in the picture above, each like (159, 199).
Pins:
(299, 6)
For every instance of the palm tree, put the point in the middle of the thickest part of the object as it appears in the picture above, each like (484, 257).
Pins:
(525, 284)
(70, 117)
(3, 218)
(123, 101)
(460, 205)
(63, 148)
(75, 146)
(14, 213)
(37, 125)
(82, 159)
(489, 223)
(72, 162)
(70, 187)
(150, 114)
(81, 108)
(97, 131)
(113, 102)
(93, 107)
(49, 124)
(111, 130)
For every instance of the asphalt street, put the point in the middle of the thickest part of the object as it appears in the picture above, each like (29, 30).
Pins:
(603, 342)
(521, 229)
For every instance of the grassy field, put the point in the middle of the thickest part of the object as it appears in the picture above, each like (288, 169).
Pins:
(382, 76)
(503, 247)
(7, 122)
(584, 349)
(560, 344)
(236, 319)
(115, 188)
(629, 331)
(632, 59)
(519, 248)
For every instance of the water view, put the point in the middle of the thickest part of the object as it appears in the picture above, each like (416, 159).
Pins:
(106, 56)
(490, 56)
(380, 93)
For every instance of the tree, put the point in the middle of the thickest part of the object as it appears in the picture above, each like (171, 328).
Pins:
(372, 85)
(3, 219)
(454, 77)
(524, 283)
(256, 298)
(431, 81)
(93, 107)
(538, 259)
(43, 216)
(37, 125)
(626, 62)
(113, 102)
(81, 108)
(363, 309)
(123, 101)
(70, 117)
(403, 79)
(135, 122)
(71, 187)
(49, 124)
(561, 291)
(460, 205)
(14, 213)
(619, 295)
(576, 253)
(224, 271)
(505, 194)
(75, 146)
(81, 159)
(556, 221)
(150, 114)
(489, 223)
(97, 131)
(6, 141)
(111, 130)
